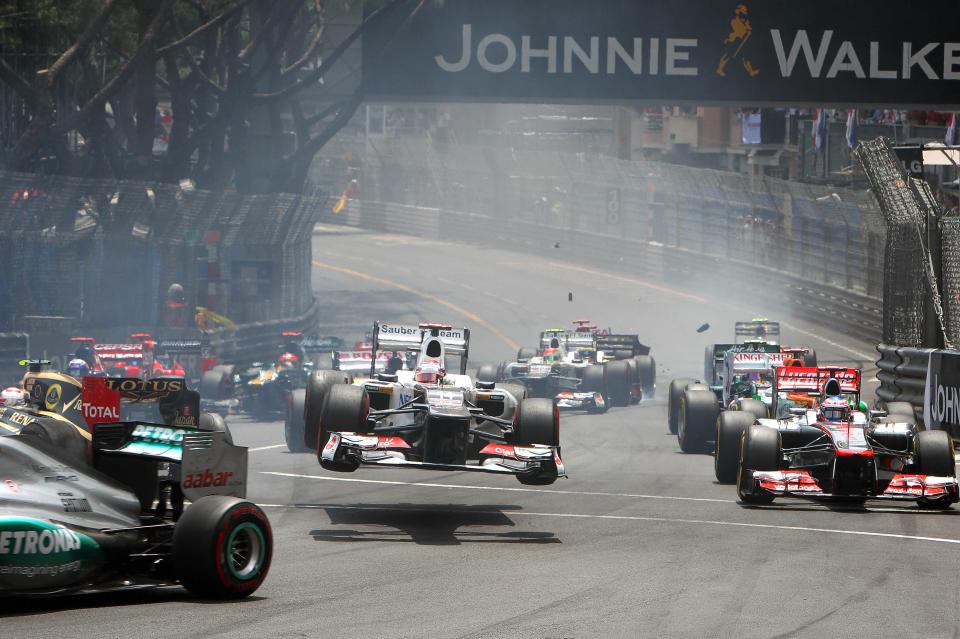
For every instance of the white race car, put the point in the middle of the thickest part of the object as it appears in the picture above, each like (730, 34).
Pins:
(429, 418)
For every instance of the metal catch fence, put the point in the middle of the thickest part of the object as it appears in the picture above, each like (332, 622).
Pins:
(100, 253)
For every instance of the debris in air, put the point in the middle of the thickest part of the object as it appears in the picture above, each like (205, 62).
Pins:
(703, 328)
(556, 245)
(569, 297)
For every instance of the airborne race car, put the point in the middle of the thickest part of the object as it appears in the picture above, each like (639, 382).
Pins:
(92, 506)
(427, 418)
(831, 448)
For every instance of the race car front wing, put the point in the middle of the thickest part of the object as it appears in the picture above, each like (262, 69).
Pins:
(800, 483)
(392, 451)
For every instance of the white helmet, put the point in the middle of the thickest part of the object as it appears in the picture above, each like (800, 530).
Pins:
(12, 396)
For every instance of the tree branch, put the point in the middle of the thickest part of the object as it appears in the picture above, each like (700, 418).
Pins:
(320, 8)
(203, 28)
(139, 56)
(81, 44)
(312, 77)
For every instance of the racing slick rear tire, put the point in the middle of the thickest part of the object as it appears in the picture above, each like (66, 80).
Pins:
(708, 364)
(294, 423)
(318, 385)
(810, 358)
(595, 381)
(673, 406)
(731, 425)
(215, 384)
(904, 409)
(488, 373)
(215, 423)
(646, 370)
(756, 408)
(759, 450)
(537, 423)
(619, 381)
(222, 547)
(698, 418)
(935, 457)
(519, 391)
(526, 353)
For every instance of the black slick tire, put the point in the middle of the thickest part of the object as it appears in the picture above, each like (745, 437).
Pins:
(759, 450)
(222, 547)
(673, 406)
(731, 425)
(697, 420)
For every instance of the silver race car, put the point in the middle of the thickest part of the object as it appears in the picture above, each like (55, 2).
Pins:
(89, 506)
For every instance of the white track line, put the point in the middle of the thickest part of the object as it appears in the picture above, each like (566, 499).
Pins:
(254, 450)
(821, 338)
(669, 520)
(494, 488)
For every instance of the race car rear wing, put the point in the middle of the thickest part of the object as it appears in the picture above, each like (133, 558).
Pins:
(811, 380)
(205, 462)
(620, 342)
(400, 337)
(757, 329)
(102, 397)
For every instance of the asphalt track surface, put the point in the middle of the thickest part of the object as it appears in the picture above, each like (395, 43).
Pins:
(639, 542)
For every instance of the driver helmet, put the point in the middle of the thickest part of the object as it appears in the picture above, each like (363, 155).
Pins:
(428, 373)
(12, 396)
(78, 368)
(835, 409)
(288, 361)
(551, 355)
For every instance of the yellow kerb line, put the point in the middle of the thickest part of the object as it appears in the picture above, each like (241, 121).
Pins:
(459, 310)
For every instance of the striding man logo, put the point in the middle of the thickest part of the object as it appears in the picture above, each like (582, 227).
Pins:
(740, 31)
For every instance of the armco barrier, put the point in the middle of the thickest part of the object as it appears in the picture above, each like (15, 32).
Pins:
(849, 312)
(250, 342)
(903, 373)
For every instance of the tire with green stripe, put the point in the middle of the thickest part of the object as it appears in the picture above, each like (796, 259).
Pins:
(222, 547)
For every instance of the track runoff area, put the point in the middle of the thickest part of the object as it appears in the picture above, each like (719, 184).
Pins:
(639, 541)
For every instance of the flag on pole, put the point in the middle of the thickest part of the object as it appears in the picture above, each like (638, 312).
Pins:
(853, 119)
(950, 138)
(820, 130)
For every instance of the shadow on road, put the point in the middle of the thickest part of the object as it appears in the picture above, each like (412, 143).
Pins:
(439, 525)
(29, 606)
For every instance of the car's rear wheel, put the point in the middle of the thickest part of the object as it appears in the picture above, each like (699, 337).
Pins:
(619, 381)
(756, 408)
(222, 547)
(759, 450)
(673, 406)
(698, 418)
(488, 373)
(810, 358)
(731, 425)
(526, 353)
(293, 425)
(903, 410)
(215, 423)
(214, 384)
(935, 457)
(646, 368)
